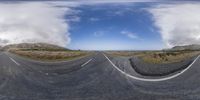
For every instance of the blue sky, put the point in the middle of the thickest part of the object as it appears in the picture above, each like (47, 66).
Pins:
(101, 24)
(126, 26)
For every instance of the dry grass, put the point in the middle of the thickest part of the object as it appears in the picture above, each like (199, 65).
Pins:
(121, 53)
(167, 57)
(50, 55)
(157, 57)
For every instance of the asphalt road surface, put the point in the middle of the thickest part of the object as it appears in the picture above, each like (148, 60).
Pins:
(95, 77)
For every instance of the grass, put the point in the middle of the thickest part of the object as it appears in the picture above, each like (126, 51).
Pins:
(158, 57)
(50, 55)
(121, 53)
(167, 57)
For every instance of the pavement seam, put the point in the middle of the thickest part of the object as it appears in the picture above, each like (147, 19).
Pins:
(86, 63)
(151, 80)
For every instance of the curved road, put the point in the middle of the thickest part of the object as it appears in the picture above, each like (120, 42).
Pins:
(90, 78)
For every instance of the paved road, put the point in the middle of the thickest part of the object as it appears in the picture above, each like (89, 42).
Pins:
(90, 78)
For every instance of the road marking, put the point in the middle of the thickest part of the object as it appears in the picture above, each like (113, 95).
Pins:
(86, 63)
(15, 61)
(151, 80)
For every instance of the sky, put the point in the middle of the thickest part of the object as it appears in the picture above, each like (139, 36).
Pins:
(101, 25)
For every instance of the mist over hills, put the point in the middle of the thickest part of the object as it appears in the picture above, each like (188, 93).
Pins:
(187, 47)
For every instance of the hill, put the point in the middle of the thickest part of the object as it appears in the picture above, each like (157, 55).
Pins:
(187, 47)
(34, 46)
(43, 51)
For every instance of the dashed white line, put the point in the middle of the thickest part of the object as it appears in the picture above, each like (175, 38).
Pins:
(86, 63)
(15, 61)
(151, 80)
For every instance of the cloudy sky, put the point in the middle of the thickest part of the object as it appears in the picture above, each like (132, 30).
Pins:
(101, 25)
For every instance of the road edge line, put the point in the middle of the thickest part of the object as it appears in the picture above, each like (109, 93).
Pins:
(151, 80)
(86, 63)
(14, 61)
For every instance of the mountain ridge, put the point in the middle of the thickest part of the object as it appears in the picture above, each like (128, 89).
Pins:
(187, 47)
(33, 46)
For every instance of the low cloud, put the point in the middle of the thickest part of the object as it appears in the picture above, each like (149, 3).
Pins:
(179, 24)
(33, 22)
(129, 34)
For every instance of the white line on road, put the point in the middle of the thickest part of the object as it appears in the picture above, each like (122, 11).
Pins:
(86, 63)
(15, 61)
(151, 80)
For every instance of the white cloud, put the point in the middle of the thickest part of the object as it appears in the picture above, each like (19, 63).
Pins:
(76, 3)
(129, 34)
(73, 19)
(98, 34)
(112, 1)
(179, 24)
(41, 21)
(33, 22)
(94, 19)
